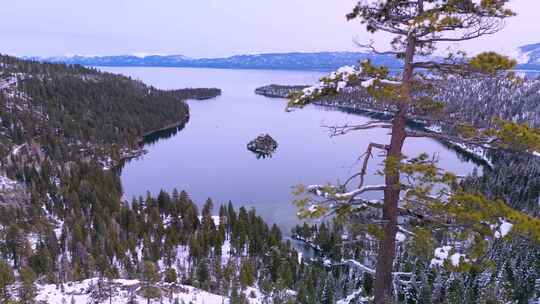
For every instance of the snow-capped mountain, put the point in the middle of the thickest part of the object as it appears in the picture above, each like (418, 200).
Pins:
(323, 61)
(528, 57)
(528, 54)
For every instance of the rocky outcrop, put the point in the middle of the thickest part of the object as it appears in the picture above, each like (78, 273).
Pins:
(264, 145)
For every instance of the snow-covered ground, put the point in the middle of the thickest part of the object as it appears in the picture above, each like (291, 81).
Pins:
(8, 82)
(87, 291)
(353, 296)
(7, 183)
(123, 290)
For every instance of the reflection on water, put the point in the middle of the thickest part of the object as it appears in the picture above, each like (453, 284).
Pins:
(208, 157)
(163, 134)
(263, 155)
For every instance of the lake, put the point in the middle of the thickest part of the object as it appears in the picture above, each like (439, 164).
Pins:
(209, 159)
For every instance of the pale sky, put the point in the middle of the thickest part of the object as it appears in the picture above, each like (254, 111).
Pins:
(207, 28)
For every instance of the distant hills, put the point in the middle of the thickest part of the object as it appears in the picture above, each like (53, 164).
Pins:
(528, 57)
(320, 61)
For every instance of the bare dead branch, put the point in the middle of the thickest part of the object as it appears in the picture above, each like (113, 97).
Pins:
(356, 264)
(367, 156)
(370, 46)
(321, 191)
(344, 129)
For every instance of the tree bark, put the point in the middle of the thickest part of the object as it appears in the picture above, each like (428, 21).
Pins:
(387, 246)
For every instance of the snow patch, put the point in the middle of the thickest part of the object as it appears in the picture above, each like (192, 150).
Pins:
(6, 183)
(353, 296)
(441, 254)
(501, 230)
(122, 290)
(400, 237)
(455, 259)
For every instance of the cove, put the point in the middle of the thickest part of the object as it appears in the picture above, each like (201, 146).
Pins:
(208, 157)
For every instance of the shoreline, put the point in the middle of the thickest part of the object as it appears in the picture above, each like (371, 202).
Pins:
(477, 154)
(129, 153)
(165, 128)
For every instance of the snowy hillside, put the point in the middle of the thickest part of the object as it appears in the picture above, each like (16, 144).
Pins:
(125, 291)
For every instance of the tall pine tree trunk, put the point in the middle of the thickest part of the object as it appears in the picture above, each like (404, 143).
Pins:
(387, 246)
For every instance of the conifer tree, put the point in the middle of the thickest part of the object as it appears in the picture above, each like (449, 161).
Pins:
(6, 278)
(247, 273)
(170, 275)
(14, 243)
(27, 290)
(150, 276)
(418, 27)
(203, 274)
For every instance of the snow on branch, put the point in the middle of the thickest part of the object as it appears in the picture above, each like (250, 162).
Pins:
(353, 296)
(502, 229)
(364, 75)
(330, 192)
(447, 253)
(356, 264)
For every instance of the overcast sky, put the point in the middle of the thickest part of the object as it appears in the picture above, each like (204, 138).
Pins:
(206, 28)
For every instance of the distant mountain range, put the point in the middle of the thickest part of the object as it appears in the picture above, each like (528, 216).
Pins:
(528, 57)
(322, 61)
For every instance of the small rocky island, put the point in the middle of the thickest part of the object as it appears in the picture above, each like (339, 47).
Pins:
(264, 145)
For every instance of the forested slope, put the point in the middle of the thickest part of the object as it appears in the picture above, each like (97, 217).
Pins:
(475, 100)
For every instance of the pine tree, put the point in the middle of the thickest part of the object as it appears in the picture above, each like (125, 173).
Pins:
(328, 293)
(409, 191)
(170, 275)
(203, 274)
(247, 274)
(14, 243)
(27, 289)
(6, 278)
(236, 296)
(150, 276)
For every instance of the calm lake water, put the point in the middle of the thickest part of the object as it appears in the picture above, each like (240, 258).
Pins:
(208, 158)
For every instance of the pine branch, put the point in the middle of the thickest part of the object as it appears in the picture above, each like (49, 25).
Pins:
(320, 190)
(370, 46)
(367, 156)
